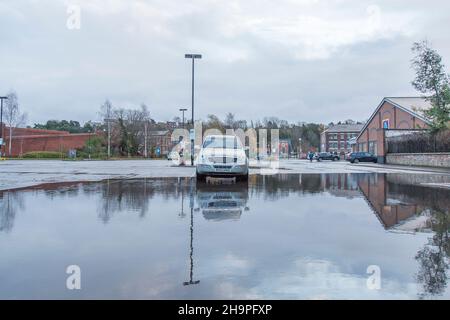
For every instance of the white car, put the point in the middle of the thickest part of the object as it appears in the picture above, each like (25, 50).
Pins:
(222, 156)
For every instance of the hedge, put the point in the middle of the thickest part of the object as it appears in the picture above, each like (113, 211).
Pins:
(44, 155)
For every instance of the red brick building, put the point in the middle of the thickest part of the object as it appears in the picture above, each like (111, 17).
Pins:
(391, 113)
(161, 142)
(337, 138)
(27, 140)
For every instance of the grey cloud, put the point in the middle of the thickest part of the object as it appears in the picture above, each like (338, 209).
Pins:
(299, 60)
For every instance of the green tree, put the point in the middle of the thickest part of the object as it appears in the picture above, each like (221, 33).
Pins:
(432, 80)
(95, 147)
(64, 125)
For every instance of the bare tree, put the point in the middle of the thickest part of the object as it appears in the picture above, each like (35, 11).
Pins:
(132, 128)
(13, 116)
(106, 114)
(230, 120)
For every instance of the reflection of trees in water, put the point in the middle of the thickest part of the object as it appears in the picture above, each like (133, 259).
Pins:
(434, 257)
(59, 189)
(135, 195)
(10, 203)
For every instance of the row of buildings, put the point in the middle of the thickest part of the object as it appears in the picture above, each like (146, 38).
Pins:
(393, 113)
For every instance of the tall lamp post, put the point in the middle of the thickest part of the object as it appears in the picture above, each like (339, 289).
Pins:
(193, 57)
(1, 124)
(183, 110)
(300, 148)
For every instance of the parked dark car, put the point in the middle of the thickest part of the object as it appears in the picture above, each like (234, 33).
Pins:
(327, 156)
(356, 157)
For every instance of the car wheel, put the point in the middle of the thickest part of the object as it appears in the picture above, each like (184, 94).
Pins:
(356, 161)
(242, 178)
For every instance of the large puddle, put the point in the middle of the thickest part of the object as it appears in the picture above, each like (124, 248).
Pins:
(309, 236)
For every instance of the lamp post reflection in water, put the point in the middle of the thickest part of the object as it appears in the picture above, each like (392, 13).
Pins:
(181, 184)
(191, 254)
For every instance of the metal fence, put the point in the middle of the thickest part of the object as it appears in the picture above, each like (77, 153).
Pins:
(417, 141)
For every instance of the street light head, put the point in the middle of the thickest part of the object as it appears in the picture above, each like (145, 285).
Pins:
(193, 56)
(183, 109)
(4, 98)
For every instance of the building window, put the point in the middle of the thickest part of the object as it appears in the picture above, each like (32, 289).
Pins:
(386, 124)
(333, 145)
(362, 147)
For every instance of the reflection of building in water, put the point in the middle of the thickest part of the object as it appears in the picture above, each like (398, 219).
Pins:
(403, 207)
(283, 185)
(341, 185)
(222, 202)
(389, 211)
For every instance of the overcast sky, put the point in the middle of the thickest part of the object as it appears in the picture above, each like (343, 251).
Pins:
(300, 60)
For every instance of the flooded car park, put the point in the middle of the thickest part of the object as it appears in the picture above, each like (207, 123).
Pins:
(285, 236)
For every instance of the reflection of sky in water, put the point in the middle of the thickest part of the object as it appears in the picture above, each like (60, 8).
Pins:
(310, 236)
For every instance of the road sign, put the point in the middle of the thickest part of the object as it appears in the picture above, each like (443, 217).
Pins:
(191, 134)
(1, 141)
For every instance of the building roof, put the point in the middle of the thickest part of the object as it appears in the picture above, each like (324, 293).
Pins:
(411, 105)
(345, 128)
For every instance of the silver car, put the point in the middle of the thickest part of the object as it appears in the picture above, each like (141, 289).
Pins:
(222, 156)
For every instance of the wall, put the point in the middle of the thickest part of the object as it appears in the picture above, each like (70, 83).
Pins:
(26, 140)
(31, 132)
(420, 159)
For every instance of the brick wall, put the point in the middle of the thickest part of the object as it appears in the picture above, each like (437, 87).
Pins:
(420, 159)
(27, 140)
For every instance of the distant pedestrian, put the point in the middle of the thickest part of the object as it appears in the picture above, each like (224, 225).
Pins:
(181, 154)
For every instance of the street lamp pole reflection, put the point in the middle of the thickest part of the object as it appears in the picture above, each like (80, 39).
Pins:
(191, 254)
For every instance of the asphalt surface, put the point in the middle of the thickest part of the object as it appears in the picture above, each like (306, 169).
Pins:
(24, 173)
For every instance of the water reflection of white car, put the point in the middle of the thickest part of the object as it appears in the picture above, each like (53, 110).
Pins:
(222, 156)
(218, 204)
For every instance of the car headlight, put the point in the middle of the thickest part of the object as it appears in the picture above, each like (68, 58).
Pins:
(242, 160)
(202, 159)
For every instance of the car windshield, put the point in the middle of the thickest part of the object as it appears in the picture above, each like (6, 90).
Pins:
(222, 142)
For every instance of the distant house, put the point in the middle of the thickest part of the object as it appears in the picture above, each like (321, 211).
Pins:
(160, 142)
(285, 148)
(400, 113)
(337, 138)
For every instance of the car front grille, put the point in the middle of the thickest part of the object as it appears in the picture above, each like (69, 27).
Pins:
(218, 166)
(222, 159)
